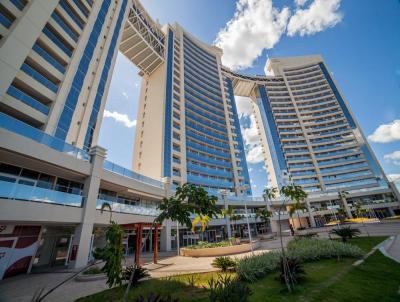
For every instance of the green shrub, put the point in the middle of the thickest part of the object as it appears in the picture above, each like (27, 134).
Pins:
(304, 249)
(140, 273)
(151, 297)
(346, 233)
(308, 249)
(206, 245)
(94, 270)
(252, 268)
(295, 270)
(224, 263)
(226, 289)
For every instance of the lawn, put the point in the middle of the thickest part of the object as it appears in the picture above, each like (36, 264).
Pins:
(377, 279)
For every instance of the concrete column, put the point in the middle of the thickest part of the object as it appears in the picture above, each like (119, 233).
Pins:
(167, 186)
(311, 215)
(165, 242)
(391, 211)
(83, 232)
(227, 218)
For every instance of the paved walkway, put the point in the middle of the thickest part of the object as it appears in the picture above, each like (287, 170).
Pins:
(22, 288)
(394, 249)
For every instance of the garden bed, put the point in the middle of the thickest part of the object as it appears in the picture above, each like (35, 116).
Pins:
(209, 251)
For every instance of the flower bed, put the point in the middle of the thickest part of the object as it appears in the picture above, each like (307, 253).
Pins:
(214, 250)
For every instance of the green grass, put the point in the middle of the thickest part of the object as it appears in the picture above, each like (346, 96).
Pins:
(377, 279)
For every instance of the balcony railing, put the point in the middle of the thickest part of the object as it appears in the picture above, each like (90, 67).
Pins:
(16, 191)
(16, 126)
(109, 166)
(128, 209)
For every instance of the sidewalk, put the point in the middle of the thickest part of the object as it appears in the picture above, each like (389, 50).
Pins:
(394, 249)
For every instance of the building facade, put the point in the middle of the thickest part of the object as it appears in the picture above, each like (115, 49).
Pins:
(189, 130)
(56, 61)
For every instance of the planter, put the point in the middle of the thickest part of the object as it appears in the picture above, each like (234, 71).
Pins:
(219, 251)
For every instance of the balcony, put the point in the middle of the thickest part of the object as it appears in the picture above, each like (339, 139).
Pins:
(128, 209)
(109, 166)
(25, 130)
(16, 191)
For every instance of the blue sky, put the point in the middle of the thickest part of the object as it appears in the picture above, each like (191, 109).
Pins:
(359, 40)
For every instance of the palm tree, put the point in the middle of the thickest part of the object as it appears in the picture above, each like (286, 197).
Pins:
(297, 194)
(203, 220)
(342, 195)
(229, 213)
(188, 199)
(360, 211)
(263, 215)
(295, 208)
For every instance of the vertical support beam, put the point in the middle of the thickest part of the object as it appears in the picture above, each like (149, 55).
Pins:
(139, 235)
(83, 232)
(311, 215)
(155, 244)
(165, 240)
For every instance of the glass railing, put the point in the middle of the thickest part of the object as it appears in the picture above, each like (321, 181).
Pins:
(57, 41)
(66, 7)
(17, 191)
(16, 126)
(128, 209)
(206, 139)
(201, 169)
(45, 55)
(27, 99)
(40, 78)
(109, 166)
(208, 150)
(209, 181)
(5, 21)
(18, 3)
(65, 27)
(204, 122)
(201, 158)
(216, 119)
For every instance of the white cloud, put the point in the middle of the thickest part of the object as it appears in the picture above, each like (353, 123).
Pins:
(250, 169)
(258, 25)
(386, 133)
(318, 16)
(393, 177)
(252, 141)
(243, 105)
(255, 154)
(120, 118)
(125, 94)
(393, 157)
(250, 135)
(300, 2)
(255, 26)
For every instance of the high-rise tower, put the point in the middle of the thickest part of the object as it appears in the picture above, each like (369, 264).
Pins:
(188, 126)
(56, 60)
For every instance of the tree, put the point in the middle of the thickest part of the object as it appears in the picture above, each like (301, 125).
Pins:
(343, 198)
(106, 205)
(297, 194)
(360, 211)
(188, 199)
(112, 254)
(295, 208)
(263, 215)
(346, 233)
(202, 220)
